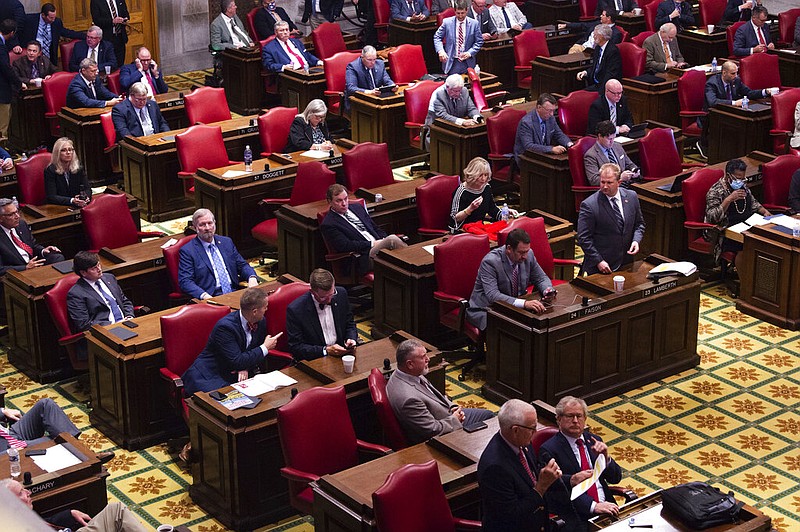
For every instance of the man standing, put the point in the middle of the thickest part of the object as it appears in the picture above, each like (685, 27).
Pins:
(606, 61)
(282, 52)
(138, 115)
(662, 49)
(227, 30)
(512, 485)
(423, 411)
(478, 11)
(508, 17)
(316, 12)
(10, 83)
(610, 224)
(504, 275)
(452, 102)
(611, 106)
(458, 40)
(320, 322)
(86, 89)
(210, 264)
(575, 450)
(33, 67)
(143, 69)
(538, 130)
(752, 38)
(18, 249)
(96, 299)
(605, 150)
(679, 12)
(365, 74)
(95, 48)
(112, 16)
(46, 28)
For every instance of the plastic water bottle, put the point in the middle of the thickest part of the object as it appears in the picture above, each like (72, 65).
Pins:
(248, 159)
(714, 65)
(13, 462)
(504, 212)
(745, 102)
(14, 201)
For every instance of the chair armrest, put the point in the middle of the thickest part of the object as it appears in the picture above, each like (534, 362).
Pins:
(295, 475)
(268, 206)
(372, 448)
(141, 310)
(780, 133)
(111, 148)
(431, 232)
(698, 225)
(332, 257)
(175, 384)
(502, 96)
(693, 113)
(447, 298)
(71, 338)
(526, 68)
(773, 208)
(332, 93)
(567, 262)
(413, 125)
(692, 165)
(150, 234)
(168, 375)
(185, 175)
(619, 491)
(466, 524)
(500, 156)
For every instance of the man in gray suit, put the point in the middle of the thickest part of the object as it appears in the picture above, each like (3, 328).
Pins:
(451, 102)
(657, 46)
(538, 130)
(605, 150)
(504, 275)
(423, 411)
(609, 237)
(227, 30)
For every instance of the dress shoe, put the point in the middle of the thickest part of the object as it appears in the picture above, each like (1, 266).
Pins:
(105, 456)
(186, 453)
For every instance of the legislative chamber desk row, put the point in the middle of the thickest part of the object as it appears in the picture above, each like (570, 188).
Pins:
(699, 47)
(237, 476)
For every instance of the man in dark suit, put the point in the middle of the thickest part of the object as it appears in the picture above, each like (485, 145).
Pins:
(328, 11)
(477, 11)
(10, 83)
(452, 102)
(282, 52)
(33, 67)
(13, 10)
(237, 345)
(575, 450)
(613, 106)
(617, 6)
(605, 150)
(512, 485)
(97, 297)
(210, 264)
(227, 30)
(736, 10)
(18, 249)
(606, 60)
(751, 37)
(94, 47)
(138, 115)
(265, 20)
(348, 228)
(609, 237)
(457, 57)
(726, 87)
(679, 12)
(365, 74)
(320, 323)
(538, 130)
(86, 89)
(48, 29)
(143, 69)
(608, 18)
(408, 10)
(112, 16)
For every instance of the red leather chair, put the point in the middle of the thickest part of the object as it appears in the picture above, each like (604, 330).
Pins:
(335, 67)
(711, 11)
(650, 10)
(344, 265)
(760, 71)
(65, 52)
(382, 15)
(659, 155)
(729, 34)
(417, 99)
(206, 105)
(309, 455)
(200, 146)
(433, 204)
(407, 63)
(501, 131)
(110, 136)
(273, 129)
(633, 59)
(540, 436)
(367, 166)
(310, 184)
(539, 244)
(691, 97)
(447, 13)
(54, 91)
(56, 300)
(581, 188)
(392, 431)
(528, 45)
(626, 37)
(786, 26)
(694, 191)
(783, 106)
(776, 177)
(587, 9)
(328, 40)
(30, 178)
(270, 78)
(184, 336)
(251, 23)
(112, 82)
(456, 263)
(279, 357)
(395, 510)
(108, 223)
(640, 37)
(482, 100)
(573, 112)
(172, 258)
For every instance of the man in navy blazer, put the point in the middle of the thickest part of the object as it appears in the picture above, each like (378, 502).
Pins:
(529, 131)
(455, 59)
(726, 87)
(83, 49)
(737, 10)
(97, 297)
(572, 441)
(128, 119)
(606, 60)
(752, 37)
(143, 69)
(609, 242)
(282, 52)
(12, 255)
(679, 12)
(365, 74)
(320, 322)
(47, 27)
(236, 346)
(86, 89)
(210, 264)
(600, 109)
(478, 11)
(408, 10)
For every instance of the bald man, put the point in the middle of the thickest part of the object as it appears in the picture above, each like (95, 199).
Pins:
(612, 106)
(143, 69)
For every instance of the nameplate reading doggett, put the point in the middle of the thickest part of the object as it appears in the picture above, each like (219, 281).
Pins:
(269, 175)
(42, 486)
(585, 311)
(663, 287)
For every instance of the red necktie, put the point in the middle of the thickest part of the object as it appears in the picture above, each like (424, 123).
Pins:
(585, 466)
(12, 441)
(21, 244)
(761, 37)
(150, 81)
(297, 56)
(253, 326)
(524, 462)
(460, 41)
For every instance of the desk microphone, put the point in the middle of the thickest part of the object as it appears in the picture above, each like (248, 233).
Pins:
(387, 365)
(26, 478)
(584, 301)
(293, 391)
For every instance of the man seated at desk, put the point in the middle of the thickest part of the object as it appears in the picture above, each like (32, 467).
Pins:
(606, 61)
(751, 38)
(612, 106)
(138, 116)
(96, 299)
(33, 67)
(662, 49)
(609, 236)
(605, 150)
(679, 12)
(477, 11)
(18, 249)
(507, 16)
(6, 162)
(408, 10)
(423, 411)
(267, 16)
(65, 181)
(282, 52)
(737, 10)
(365, 74)
(450, 102)
(538, 130)
(575, 450)
(227, 30)
(145, 70)
(86, 89)
(94, 48)
(457, 41)
(320, 322)
(504, 275)
(348, 228)
(615, 6)
(513, 486)
(210, 265)
(309, 130)
(608, 18)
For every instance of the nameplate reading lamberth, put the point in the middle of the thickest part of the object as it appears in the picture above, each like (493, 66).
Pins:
(264, 383)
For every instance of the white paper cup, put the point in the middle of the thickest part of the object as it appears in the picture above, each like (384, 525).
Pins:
(108, 69)
(637, 11)
(348, 361)
(619, 283)
(165, 528)
(37, 82)
(710, 28)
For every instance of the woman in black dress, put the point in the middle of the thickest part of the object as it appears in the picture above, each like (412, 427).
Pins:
(65, 181)
(473, 200)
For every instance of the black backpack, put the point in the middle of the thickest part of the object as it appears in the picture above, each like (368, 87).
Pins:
(700, 506)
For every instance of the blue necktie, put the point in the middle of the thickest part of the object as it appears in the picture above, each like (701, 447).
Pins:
(115, 310)
(505, 16)
(612, 158)
(219, 267)
(543, 132)
(617, 214)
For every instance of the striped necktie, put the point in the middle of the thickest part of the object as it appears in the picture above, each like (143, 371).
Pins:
(12, 441)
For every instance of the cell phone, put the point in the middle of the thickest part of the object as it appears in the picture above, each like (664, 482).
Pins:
(480, 425)
(130, 324)
(219, 396)
(35, 452)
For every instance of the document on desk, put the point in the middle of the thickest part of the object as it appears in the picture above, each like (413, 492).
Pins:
(429, 248)
(755, 219)
(57, 457)
(784, 221)
(264, 383)
(623, 139)
(683, 267)
(316, 154)
(599, 467)
(234, 173)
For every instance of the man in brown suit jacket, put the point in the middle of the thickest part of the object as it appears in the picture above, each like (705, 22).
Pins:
(657, 60)
(33, 65)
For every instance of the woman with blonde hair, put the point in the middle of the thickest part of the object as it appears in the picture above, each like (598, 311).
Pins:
(65, 181)
(473, 200)
(309, 131)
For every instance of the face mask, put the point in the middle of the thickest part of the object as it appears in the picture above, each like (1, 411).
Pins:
(736, 184)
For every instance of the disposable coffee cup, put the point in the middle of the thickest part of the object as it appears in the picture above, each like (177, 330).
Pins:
(348, 361)
(165, 528)
(619, 283)
(710, 28)
(37, 82)
(637, 11)
(108, 69)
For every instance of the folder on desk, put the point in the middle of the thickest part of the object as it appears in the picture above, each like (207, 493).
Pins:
(122, 333)
(64, 267)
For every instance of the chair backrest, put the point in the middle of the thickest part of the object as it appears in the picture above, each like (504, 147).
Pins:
(185, 334)
(407, 63)
(694, 190)
(65, 51)
(391, 427)
(367, 166)
(335, 67)
(311, 182)
(273, 129)
(328, 40)
(30, 178)
(109, 133)
(382, 11)
(251, 23)
(633, 59)
(447, 13)
(711, 11)
(501, 130)
(575, 155)
(626, 37)
(650, 11)
(433, 201)
(691, 90)
(56, 300)
(112, 81)
(776, 176)
(786, 25)
(172, 258)
(456, 262)
(658, 154)
(201, 146)
(477, 90)
(276, 311)
(730, 32)
(587, 9)
(413, 482)
(573, 112)
(539, 243)
(783, 106)
(54, 91)
(540, 436)
(760, 71)
(417, 99)
(640, 37)
(206, 105)
(107, 222)
(529, 45)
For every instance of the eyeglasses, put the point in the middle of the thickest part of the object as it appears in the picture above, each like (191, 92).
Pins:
(10, 214)
(533, 429)
(573, 416)
(615, 93)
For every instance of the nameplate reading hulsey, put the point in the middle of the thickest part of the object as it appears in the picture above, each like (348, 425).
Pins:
(269, 175)
(585, 311)
(44, 486)
(655, 289)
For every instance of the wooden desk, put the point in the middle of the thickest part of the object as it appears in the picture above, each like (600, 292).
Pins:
(618, 342)
(33, 338)
(698, 47)
(557, 74)
(421, 33)
(541, 12)
(299, 87)
(300, 245)
(151, 166)
(789, 66)
(244, 89)
(633, 24)
(382, 119)
(733, 131)
(28, 128)
(405, 281)
(654, 101)
(237, 477)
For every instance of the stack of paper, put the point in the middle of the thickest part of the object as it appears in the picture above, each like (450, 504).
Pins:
(264, 383)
